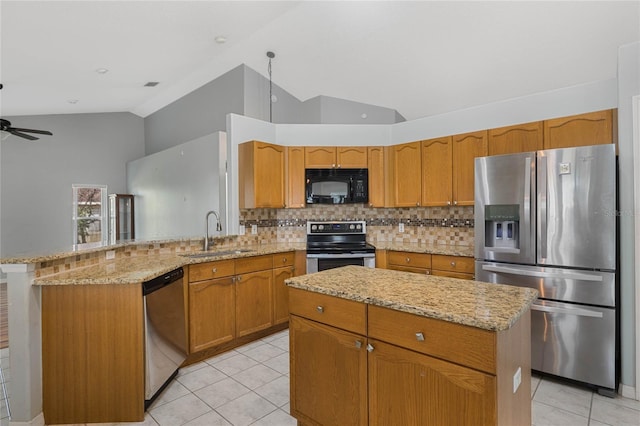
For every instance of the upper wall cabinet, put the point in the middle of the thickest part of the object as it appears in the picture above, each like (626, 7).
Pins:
(513, 139)
(329, 157)
(295, 177)
(437, 183)
(405, 171)
(584, 129)
(261, 173)
(466, 148)
(377, 181)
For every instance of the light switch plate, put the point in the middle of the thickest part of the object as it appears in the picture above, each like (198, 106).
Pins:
(517, 379)
(254, 229)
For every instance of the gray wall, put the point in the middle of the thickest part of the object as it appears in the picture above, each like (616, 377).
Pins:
(196, 114)
(628, 87)
(36, 177)
(341, 111)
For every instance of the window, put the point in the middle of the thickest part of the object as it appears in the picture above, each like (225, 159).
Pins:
(89, 215)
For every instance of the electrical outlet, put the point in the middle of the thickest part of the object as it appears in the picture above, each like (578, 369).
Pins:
(241, 230)
(401, 227)
(254, 229)
(110, 254)
(517, 379)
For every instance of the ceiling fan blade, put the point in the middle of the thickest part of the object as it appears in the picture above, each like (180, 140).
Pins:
(23, 135)
(40, 132)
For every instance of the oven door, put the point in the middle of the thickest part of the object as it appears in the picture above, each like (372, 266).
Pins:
(322, 262)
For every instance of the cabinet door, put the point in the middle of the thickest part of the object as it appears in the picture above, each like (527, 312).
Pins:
(513, 139)
(466, 148)
(281, 294)
(584, 129)
(295, 177)
(211, 313)
(375, 164)
(328, 374)
(254, 302)
(406, 170)
(320, 157)
(408, 388)
(351, 157)
(261, 171)
(436, 172)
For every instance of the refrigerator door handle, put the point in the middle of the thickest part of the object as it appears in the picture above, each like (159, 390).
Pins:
(542, 204)
(527, 190)
(566, 310)
(575, 275)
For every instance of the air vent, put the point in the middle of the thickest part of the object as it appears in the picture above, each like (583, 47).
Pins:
(151, 84)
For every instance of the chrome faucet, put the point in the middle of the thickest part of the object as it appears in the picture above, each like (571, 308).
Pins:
(218, 228)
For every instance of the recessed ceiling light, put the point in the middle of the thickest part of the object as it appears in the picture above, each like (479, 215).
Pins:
(73, 101)
(102, 70)
(220, 39)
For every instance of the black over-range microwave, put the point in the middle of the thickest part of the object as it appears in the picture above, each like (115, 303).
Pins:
(337, 186)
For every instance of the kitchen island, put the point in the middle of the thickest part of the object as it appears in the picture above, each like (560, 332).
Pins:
(373, 346)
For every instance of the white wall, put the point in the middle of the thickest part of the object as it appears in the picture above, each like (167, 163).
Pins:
(176, 187)
(333, 134)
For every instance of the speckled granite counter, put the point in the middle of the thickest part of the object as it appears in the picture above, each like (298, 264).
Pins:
(446, 249)
(477, 304)
(135, 269)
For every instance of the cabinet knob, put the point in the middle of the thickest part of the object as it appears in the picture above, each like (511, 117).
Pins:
(449, 202)
(320, 309)
(333, 165)
(427, 272)
(420, 337)
(408, 259)
(453, 263)
(284, 260)
(214, 270)
(239, 278)
(358, 344)
(339, 165)
(233, 279)
(417, 203)
(370, 347)
(455, 203)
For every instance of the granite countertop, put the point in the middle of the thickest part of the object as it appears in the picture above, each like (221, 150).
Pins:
(446, 249)
(135, 269)
(493, 307)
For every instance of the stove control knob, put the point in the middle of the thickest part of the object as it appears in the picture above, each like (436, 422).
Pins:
(313, 227)
(359, 226)
(351, 226)
(321, 227)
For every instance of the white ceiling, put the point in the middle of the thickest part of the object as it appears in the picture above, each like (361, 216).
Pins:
(418, 57)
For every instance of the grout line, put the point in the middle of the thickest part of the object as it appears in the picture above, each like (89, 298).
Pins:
(5, 396)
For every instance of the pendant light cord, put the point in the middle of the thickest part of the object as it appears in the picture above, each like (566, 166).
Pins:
(270, 55)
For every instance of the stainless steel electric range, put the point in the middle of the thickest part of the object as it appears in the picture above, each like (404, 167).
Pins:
(335, 244)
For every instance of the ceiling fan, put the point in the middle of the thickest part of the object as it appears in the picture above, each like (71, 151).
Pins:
(5, 126)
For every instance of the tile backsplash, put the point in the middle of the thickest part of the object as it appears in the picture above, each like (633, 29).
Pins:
(433, 225)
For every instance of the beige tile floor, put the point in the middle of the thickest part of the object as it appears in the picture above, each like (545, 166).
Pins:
(250, 386)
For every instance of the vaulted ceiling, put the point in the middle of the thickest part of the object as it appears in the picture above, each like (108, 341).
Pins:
(418, 57)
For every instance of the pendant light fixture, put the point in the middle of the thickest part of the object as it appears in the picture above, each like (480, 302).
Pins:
(270, 55)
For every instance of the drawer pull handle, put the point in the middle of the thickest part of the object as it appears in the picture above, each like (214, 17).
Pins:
(453, 263)
(214, 270)
(284, 260)
(358, 344)
(320, 309)
(408, 260)
(420, 337)
(370, 347)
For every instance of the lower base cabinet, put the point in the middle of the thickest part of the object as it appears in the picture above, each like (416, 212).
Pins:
(254, 302)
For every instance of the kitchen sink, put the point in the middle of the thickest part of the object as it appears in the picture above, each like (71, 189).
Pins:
(215, 253)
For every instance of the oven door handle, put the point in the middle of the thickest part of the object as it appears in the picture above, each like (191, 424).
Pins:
(339, 255)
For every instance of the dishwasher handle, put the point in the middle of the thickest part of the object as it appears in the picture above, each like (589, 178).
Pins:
(157, 283)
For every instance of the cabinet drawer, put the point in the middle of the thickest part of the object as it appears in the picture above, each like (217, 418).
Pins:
(464, 345)
(453, 263)
(403, 258)
(403, 268)
(283, 259)
(342, 313)
(253, 264)
(449, 274)
(210, 270)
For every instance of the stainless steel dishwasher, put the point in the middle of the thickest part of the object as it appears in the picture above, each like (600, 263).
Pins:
(165, 331)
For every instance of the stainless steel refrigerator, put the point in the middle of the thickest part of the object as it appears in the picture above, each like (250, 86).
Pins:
(547, 220)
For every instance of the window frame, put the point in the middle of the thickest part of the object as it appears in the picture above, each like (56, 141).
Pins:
(103, 218)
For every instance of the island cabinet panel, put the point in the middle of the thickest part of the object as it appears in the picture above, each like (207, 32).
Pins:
(519, 138)
(211, 313)
(328, 374)
(295, 177)
(466, 147)
(437, 184)
(92, 354)
(341, 313)
(593, 128)
(282, 269)
(409, 388)
(453, 266)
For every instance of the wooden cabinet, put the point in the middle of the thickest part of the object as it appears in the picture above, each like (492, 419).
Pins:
(466, 147)
(419, 263)
(211, 312)
(408, 388)
(261, 175)
(583, 129)
(283, 268)
(295, 177)
(437, 176)
(328, 374)
(453, 266)
(254, 294)
(405, 171)
(513, 139)
(329, 157)
(377, 180)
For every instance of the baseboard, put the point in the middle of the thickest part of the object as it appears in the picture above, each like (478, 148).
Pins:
(36, 421)
(628, 391)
